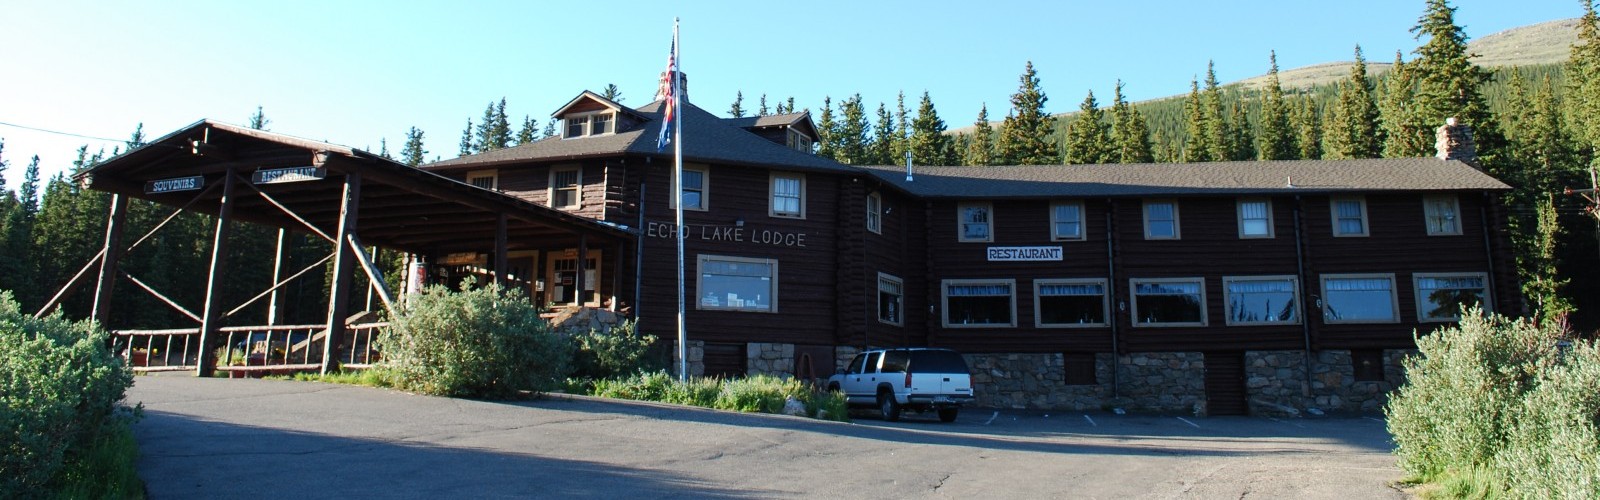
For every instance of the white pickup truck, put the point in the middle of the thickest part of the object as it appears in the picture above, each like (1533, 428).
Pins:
(917, 379)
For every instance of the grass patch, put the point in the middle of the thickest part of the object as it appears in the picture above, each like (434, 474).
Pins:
(757, 394)
(371, 377)
(106, 469)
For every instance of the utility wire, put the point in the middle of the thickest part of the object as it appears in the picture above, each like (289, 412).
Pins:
(57, 132)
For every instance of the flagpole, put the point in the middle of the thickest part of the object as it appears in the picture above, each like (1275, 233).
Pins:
(677, 180)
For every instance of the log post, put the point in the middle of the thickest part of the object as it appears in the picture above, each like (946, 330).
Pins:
(500, 252)
(583, 268)
(273, 309)
(116, 220)
(343, 263)
(211, 316)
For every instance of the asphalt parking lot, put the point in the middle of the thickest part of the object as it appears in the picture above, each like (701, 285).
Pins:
(219, 438)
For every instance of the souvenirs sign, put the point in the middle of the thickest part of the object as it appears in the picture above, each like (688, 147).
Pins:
(175, 184)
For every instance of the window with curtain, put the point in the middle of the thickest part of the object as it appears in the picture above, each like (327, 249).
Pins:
(1349, 217)
(1255, 219)
(1359, 299)
(1161, 220)
(1442, 214)
(788, 195)
(973, 223)
(1169, 302)
(1070, 303)
(969, 303)
(1440, 297)
(1066, 221)
(1264, 300)
(891, 297)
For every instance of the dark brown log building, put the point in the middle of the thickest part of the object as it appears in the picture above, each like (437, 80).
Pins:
(1220, 288)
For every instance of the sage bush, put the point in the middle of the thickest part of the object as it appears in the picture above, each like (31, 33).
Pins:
(481, 342)
(619, 352)
(59, 392)
(1500, 400)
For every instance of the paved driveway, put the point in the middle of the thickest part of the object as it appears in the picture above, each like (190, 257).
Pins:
(218, 438)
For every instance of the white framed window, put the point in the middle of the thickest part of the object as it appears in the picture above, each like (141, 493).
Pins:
(1066, 220)
(486, 179)
(973, 221)
(696, 188)
(891, 300)
(875, 212)
(1359, 298)
(736, 284)
(1160, 220)
(591, 123)
(1440, 296)
(1070, 303)
(566, 187)
(1261, 300)
(1168, 301)
(979, 303)
(1255, 218)
(798, 141)
(1443, 214)
(1349, 215)
(788, 195)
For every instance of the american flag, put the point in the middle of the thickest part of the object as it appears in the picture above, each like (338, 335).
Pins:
(672, 93)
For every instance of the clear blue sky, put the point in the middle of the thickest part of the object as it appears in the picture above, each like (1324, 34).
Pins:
(355, 72)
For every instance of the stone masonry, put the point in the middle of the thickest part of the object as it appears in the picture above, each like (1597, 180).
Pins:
(1276, 382)
(1158, 382)
(769, 359)
(697, 358)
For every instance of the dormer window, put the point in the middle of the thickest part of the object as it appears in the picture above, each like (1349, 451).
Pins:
(599, 123)
(799, 141)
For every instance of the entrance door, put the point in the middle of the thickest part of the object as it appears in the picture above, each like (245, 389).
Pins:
(1225, 392)
(563, 280)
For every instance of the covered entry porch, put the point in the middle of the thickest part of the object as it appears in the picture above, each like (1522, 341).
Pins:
(361, 205)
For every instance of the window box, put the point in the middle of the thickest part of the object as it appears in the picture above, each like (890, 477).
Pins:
(1070, 303)
(979, 303)
(1359, 298)
(1262, 300)
(1169, 302)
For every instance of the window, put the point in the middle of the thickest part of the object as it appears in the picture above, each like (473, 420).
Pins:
(1069, 303)
(1169, 302)
(1440, 296)
(1442, 214)
(1368, 364)
(1078, 368)
(1349, 216)
(798, 141)
(695, 187)
(593, 123)
(564, 187)
(1255, 218)
(1161, 220)
(972, 221)
(788, 195)
(1359, 298)
(1262, 300)
(737, 284)
(875, 213)
(979, 303)
(891, 298)
(1066, 221)
(487, 179)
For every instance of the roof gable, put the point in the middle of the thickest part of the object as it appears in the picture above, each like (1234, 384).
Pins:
(590, 101)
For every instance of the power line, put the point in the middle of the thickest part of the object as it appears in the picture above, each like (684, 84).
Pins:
(57, 132)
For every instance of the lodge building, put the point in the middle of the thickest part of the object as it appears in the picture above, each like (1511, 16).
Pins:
(1221, 288)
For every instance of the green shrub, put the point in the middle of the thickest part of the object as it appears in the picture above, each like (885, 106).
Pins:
(1493, 407)
(477, 342)
(619, 352)
(759, 393)
(59, 388)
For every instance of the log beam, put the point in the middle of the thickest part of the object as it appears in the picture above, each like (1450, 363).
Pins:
(343, 262)
(211, 316)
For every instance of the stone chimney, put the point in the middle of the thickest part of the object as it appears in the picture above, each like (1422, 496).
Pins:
(683, 87)
(1454, 141)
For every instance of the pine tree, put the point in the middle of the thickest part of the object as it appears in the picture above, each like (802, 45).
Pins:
(902, 132)
(1274, 139)
(737, 110)
(1025, 133)
(1240, 145)
(529, 131)
(980, 150)
(1308, 129)
(853, 133)
(1542, 146)
(1088, 136)
(1404, 136)
(1583, 78)
(17, 260)
(789, 107)
(1219, 135)
(1448, 82)
(383, 148)
(413, 154)
(929, 144)
(612, 92)
(827, 130)
(259, 121)
(549, 129)
(1130, 136)
(883, 137)
(763, 110)
(466, 139)
(136, 140)
(1198, 148)
(1353, 129)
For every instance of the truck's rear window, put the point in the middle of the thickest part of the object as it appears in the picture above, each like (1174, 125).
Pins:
(937, 362)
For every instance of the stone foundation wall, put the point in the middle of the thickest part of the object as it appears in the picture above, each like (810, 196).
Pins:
(697, 359)
(1034, 381)
(842, 356)
(1161, 382)
(1276, 382)
(769, 359)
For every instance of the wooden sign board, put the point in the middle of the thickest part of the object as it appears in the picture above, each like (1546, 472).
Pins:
(1024, 254)
(291, 174)
(464, 259)
(175, 184)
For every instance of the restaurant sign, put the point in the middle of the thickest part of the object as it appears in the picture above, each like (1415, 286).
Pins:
(1024, 254)
(291, 174)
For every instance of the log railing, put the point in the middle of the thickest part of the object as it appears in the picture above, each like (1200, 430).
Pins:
(253, 350)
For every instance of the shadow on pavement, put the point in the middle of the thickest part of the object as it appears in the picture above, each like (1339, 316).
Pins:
(185, 457)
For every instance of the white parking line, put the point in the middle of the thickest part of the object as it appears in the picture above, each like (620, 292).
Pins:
(1373, 419)
(991, 418)
(1283, 422)
(1186, 421)
(1091, 421)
